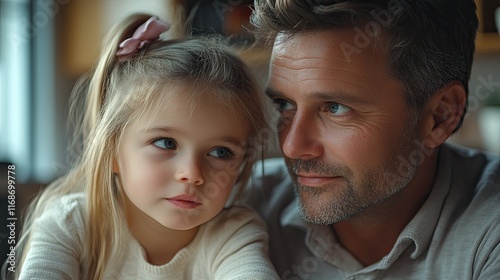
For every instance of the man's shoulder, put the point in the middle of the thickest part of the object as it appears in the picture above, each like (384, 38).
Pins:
(470, 157)
(473, 168)
(270, 188)
(270, 167)
(268, 173)
(469, 223)
(475, 188)
(470, 166)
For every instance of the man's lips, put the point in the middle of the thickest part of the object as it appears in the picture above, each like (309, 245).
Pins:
(313, 180)
(185, 201)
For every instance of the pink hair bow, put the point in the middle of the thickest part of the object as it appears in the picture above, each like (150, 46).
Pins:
(147, 32)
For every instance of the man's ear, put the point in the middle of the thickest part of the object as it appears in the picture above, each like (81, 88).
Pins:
(443, 113)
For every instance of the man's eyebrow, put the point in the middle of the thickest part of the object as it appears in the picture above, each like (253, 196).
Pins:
(271, 93)
(336, 96)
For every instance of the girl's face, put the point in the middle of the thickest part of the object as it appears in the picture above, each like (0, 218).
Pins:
(178, 167)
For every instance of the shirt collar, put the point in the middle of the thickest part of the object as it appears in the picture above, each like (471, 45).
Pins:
(421, 227)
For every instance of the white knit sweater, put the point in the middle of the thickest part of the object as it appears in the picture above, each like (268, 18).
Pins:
(233, 245)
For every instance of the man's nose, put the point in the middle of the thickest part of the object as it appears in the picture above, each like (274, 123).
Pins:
(299, 137)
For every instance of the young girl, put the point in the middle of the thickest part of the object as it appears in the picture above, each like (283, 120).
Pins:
(170, 130)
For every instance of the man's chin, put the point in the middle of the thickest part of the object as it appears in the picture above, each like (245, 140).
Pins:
(318, 206)
(311, 207)
(315, 216)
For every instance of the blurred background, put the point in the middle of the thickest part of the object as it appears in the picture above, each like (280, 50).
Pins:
(46, 45)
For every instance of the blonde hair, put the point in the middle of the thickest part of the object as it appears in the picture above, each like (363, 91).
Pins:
(119, 92)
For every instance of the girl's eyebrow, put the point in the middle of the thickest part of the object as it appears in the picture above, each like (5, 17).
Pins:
(163, 129)
(170, 130)
(234, 142)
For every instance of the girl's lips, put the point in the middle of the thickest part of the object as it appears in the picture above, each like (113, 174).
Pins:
(185, 201)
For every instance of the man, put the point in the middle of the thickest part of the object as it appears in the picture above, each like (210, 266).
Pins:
(367, 93)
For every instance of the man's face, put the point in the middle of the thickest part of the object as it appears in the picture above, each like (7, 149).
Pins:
(344, 125)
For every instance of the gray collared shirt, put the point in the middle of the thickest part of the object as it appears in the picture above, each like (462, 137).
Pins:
(454, 235)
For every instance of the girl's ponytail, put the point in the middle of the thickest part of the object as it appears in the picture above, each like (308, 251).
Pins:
(90, 90)
(98, 85)
(104, 217)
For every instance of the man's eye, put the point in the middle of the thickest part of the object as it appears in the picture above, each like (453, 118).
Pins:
(221, 153)
(338, 109)
(282, 105)
(165, 143)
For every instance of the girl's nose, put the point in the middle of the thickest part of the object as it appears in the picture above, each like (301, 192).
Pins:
(190, 171)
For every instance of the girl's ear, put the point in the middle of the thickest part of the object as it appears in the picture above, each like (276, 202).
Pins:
(116, 168)
(442, 114)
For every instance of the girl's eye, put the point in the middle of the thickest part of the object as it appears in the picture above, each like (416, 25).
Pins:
(282, 105)
(221, 153)
(165, 143)
(338, 109)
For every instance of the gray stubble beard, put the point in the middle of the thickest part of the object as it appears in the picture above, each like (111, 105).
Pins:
(345, 201)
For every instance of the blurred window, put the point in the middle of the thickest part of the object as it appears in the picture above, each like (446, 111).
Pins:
(28, 123)
(15, 77)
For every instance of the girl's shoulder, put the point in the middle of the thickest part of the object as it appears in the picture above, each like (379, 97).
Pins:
(234, 222)
(233, 239)
(66, 212)
(237, 216)
(69, 204)
(57, 235)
